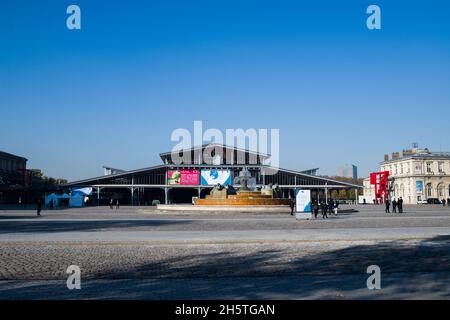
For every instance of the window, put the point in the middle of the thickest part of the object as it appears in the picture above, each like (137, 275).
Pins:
(440, 190)
(418, 168)
(429, 190)
(440, 167)
(429, 170)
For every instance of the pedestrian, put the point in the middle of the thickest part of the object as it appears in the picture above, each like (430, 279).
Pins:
(336, 207)
(400, 205)
(448, 202)
(117, 204)
(324, 208)
(39, 206)
(111, 203)
(394, 206)
(51, 204)
(292, 205)
(388, 206)
(330, 206)
(315, 209)
(443, 202)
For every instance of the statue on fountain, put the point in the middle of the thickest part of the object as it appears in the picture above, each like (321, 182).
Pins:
(247, 195)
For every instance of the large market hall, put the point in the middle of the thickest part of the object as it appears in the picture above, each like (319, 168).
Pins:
(194, 172)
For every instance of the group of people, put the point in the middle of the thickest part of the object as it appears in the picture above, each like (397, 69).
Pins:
(444, 202)
(331, 206)
(396, 205)
(113, 202)
(325, 207)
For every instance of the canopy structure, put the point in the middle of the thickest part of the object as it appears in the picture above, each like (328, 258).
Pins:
(190, 176)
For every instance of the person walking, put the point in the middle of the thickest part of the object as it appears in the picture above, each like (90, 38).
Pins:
(39, 206)
(400, 205)
(336, 207)
(330, 206)
(324, 208)
(443, 202)
(292, 205)
(111, 203)
(448, 202)
(394, 206)
(117, 204)
(388, 206)
(315, 209)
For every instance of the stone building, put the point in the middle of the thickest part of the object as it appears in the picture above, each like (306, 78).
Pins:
(416, 175)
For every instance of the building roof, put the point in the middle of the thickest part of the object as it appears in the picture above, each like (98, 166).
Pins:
(97, 180)
(216, 145)
(312, 171)
(11, 156)
(117, 175)
(422, 156)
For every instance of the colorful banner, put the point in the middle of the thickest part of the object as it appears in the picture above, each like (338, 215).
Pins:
(84, 191)
(183, 177)
(213, 177)
(303, 200)
(419, 186)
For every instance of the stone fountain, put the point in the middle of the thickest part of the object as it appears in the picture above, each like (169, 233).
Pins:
(245, 195)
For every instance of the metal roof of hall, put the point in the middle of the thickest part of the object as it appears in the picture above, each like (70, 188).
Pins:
(214, 145)
(137, 171)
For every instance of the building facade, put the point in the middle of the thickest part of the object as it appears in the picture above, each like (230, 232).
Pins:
(194, 172)
(13, 177)
(416, 175)
(10, 163)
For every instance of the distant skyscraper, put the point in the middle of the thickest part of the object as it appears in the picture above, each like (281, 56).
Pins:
(348, 171)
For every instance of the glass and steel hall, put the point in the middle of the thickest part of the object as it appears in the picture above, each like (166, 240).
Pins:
(194, 172)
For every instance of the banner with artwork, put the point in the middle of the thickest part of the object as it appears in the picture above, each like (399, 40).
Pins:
(303, 200)
(213, 176)
(83, 191)
(419, 186)
(183, 177)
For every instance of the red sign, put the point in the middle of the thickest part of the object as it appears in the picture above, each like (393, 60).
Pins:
(183, 177)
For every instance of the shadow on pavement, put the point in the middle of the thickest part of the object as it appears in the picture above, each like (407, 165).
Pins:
(79, 226)
(408, 269)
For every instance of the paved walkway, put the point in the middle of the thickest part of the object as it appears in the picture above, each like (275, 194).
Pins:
(143, 254)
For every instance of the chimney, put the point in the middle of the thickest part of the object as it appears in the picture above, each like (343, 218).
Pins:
(407, 152)
(386, 157)
(395, 155)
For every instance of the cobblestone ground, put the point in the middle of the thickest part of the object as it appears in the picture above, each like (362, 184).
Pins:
(411, 268)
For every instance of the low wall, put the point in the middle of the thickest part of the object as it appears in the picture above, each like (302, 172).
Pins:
(234, 208)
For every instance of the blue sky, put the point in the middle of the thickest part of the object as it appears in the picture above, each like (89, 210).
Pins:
(112, 92)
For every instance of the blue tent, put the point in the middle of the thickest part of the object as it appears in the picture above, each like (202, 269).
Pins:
(76, 201)
(53, 197)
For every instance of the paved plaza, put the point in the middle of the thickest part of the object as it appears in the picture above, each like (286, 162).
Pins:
(142, 253)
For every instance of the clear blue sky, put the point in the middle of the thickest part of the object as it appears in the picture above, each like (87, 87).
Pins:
(113, 92)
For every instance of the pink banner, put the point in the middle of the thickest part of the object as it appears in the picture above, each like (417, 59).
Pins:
(183, 177)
